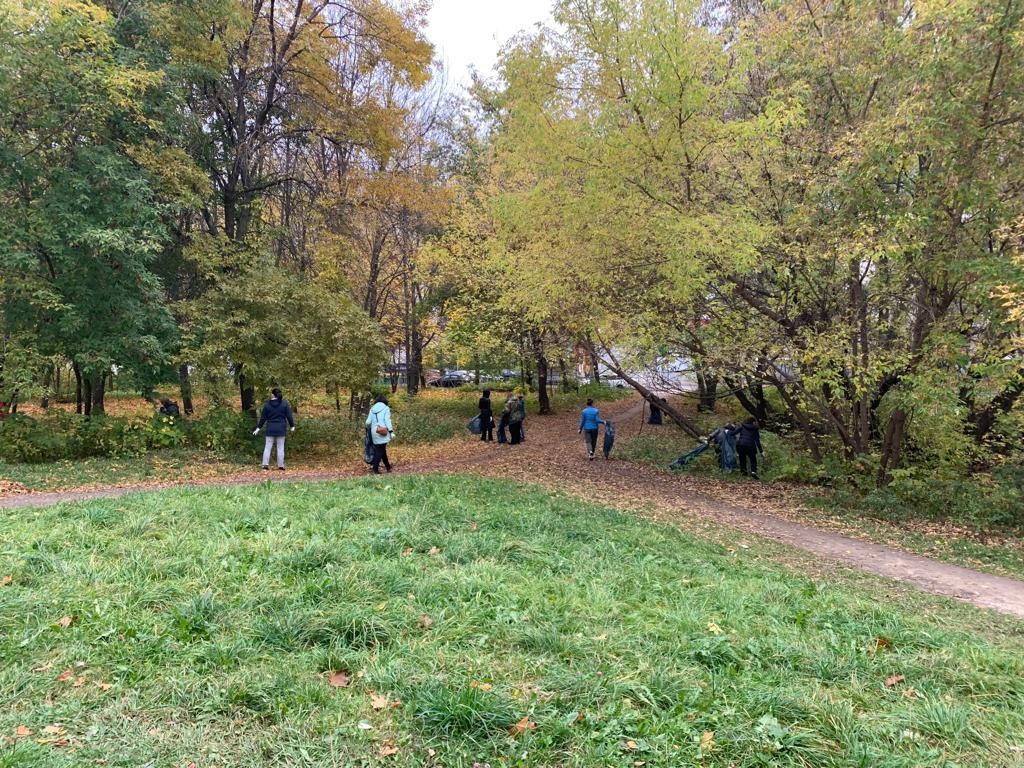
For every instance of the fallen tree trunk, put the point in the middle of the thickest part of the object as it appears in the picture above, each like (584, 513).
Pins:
(673, 413)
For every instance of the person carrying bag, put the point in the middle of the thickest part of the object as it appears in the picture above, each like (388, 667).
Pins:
(378, 421)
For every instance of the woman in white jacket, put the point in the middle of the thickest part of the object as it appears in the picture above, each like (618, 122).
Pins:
(381, 432)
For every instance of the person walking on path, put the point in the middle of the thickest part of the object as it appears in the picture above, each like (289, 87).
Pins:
(277, 415)
(486, 417)
(590, 420)
(748, 445)
(381, 432)
(515, 419)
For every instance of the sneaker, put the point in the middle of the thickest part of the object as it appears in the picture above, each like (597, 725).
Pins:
(266, 467)
(281, 469)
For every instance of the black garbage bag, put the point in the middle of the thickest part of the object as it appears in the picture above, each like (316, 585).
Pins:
(502, 427)
(474, 425)
(368, 447)
(688, 458)
(609, 437)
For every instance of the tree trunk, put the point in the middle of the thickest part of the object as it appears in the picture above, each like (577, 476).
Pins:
(44, 403)
(707, 391)
(78, 387)
(185, 383)
(810, 441)
(595, 371)
(892, 445)
(247, 393)
(984, 420)
(98, 391)
(673, 413)
(414, 359)
(542, 376)
(87, 395)
(563, 371)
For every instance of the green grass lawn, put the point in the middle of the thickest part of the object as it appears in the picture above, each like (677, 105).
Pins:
(984, 547)
(205, 627)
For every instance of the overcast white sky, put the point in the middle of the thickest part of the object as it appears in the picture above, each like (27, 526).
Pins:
(469, 33)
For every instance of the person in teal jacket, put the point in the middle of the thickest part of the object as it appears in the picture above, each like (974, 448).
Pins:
(381, 432)
(590, 420)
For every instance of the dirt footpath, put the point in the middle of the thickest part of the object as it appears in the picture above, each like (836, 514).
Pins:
(553, 456)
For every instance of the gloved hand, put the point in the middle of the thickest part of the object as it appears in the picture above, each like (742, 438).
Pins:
(293, 429)
(256, 431)
(580, 432)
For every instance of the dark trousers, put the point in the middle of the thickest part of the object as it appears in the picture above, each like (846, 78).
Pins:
(486, 427)
(515, 429)
(590, 436)
(380, 454)
(747, 452)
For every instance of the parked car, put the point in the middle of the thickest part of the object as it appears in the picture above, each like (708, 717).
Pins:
(454, 379)
(509, 374)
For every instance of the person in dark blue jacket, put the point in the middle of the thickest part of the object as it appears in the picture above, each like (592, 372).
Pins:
(748, 445)
(277, 415)
(590, 420)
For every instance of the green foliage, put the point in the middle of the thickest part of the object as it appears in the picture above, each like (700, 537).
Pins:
(83, 224)
(262, 320)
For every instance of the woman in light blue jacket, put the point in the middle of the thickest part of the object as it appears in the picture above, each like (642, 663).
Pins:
(381, 432)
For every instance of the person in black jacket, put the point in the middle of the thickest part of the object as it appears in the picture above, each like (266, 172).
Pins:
(277, 415)
(748, 445)
(486, 417)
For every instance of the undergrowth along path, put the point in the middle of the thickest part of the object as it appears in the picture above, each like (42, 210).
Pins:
(553, 456)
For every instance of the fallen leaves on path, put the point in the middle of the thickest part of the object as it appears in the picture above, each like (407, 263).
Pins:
(11, 488)
(894, 680)
(64, 622)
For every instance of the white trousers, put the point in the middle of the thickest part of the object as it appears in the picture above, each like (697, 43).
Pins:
(280, 451)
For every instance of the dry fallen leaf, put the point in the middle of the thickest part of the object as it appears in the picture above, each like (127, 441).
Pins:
(44, 667)
(79, 682)
(378, 701)
(425, 622)
(56, 730)
(387, 749)
(8, 579)
(600, 637)
(630, 745)
(407, 551)
(882, 643)
(911, 693)
(894, 680)
(707, 741)
(434, 551)
(104, 686)
(525, 724)
(64, 676)
(480, 686)
(714, 629)
(22, 731)
(340, 679)
(64, 622)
